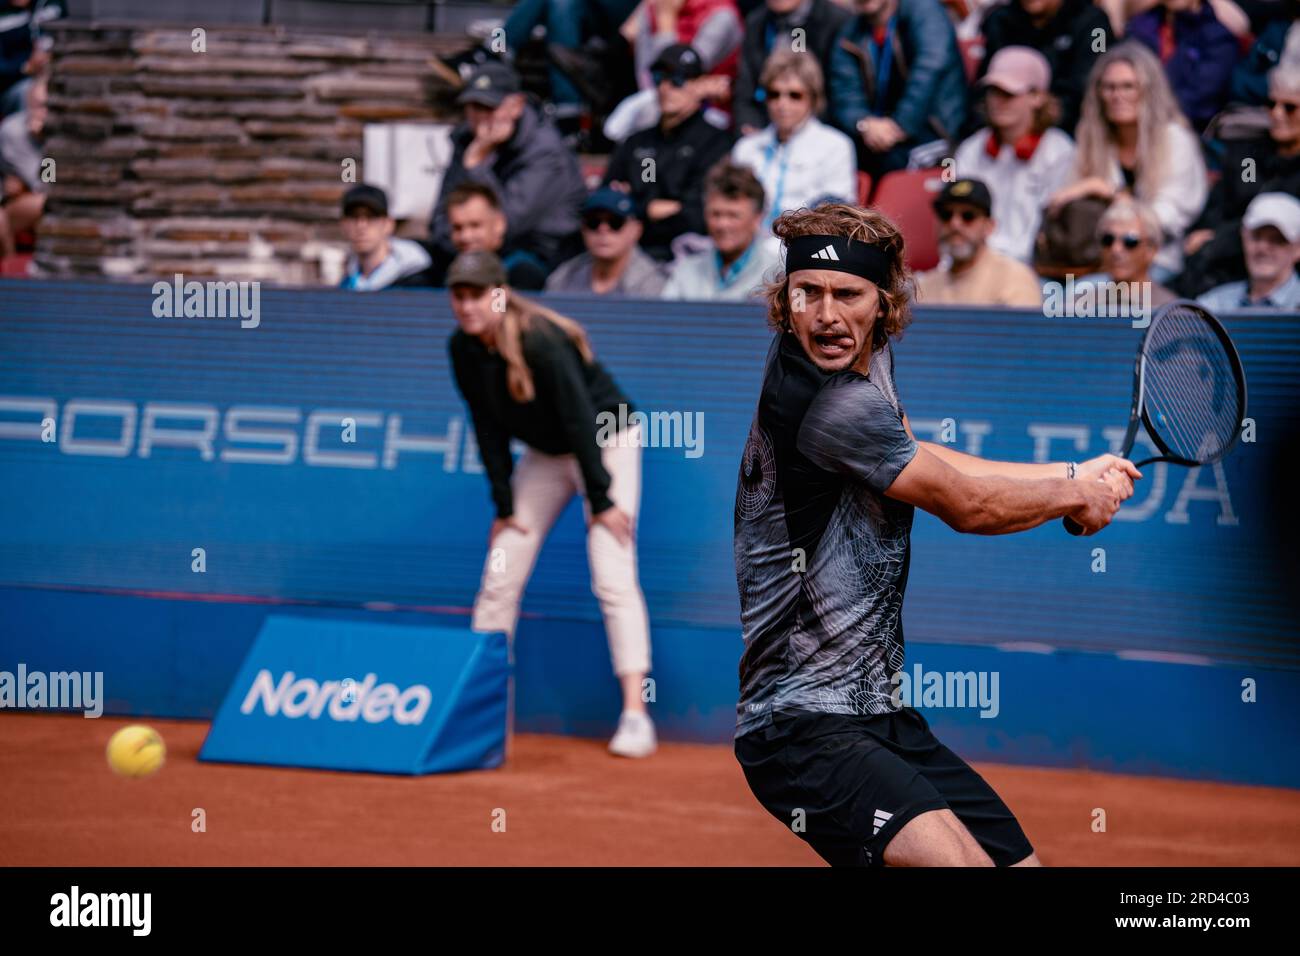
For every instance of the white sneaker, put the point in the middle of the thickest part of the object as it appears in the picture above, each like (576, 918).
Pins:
(635, 736)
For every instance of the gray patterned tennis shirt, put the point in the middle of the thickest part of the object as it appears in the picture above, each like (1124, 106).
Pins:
(821, 553)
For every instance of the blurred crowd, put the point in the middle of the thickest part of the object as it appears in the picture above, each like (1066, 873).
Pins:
(1122, 140)
(1017, 142)
(24, 84)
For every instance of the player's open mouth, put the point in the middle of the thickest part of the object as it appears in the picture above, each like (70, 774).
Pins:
(832, 345)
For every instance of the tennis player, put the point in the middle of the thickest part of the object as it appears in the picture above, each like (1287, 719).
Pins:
(828, 482)
(528, 372)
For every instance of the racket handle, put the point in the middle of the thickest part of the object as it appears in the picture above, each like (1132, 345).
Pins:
(1072, 526)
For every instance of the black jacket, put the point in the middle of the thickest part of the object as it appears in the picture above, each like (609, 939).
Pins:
(682, 158)
(538, 179)
(1066, 40)
(824, 21)
(560, 420)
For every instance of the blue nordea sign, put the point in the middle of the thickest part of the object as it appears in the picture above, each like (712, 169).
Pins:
(349, 694)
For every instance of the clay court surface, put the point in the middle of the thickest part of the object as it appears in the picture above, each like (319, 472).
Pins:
(566, 803)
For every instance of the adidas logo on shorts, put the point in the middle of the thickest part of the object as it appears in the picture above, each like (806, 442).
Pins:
(880, 820)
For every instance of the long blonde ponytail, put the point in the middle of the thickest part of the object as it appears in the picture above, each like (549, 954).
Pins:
(519, 316)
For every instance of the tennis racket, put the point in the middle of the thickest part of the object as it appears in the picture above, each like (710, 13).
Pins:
(1189, 390)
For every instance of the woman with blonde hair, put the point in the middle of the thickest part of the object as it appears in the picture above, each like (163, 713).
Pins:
(1133, 139)
(527, 372)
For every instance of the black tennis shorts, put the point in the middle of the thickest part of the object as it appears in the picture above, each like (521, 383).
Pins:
(859, 779)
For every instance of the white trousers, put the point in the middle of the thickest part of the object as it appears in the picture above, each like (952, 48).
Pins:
(542, 485)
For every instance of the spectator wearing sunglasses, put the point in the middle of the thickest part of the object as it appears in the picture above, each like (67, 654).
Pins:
(613, 264)
(1213, 246)
(1129, 233)
(971, 273)
(663, 168)
(797, 158)
(1021, 155)
(713, 29)
(737, 259)
(1270, 236)
(769, 29)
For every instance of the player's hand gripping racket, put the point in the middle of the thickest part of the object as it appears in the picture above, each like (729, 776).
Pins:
(1189, 390)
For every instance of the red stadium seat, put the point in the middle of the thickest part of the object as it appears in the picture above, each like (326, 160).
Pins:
(972, 54)
(864, 187)
(16, 266)
(905, 196)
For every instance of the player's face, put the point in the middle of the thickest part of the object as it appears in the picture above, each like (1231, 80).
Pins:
(832, 314)
(473, 307)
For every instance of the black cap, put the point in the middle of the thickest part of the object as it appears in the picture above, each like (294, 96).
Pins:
(482, 269)
(365, 197)
(679, 60)
(966, 190)
(489, 84)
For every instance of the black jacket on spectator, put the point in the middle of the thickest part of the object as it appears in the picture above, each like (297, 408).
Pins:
(560, 420)
(539, 182)
(1066, 40)
(824, 21)
(1220, 259)
(682, 157)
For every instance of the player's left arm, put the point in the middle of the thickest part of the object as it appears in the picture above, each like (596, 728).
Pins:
(1089, 470)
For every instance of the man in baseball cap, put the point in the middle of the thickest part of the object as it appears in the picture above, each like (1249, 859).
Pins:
(614, 263)
(971, 273)
(378, 259)
(1270, 240)
(682, 147)
(506, 144)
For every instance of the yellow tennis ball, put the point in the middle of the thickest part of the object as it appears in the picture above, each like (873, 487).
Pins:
(136, 751)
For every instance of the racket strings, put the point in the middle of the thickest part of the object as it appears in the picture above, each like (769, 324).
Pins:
(1190, 386)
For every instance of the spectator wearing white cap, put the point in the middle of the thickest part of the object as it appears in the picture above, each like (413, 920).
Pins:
(1270, 238)
(1021, 154)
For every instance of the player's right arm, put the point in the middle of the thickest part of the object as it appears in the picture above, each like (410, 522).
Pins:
(994, 504)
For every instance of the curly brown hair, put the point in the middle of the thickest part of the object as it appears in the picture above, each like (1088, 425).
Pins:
(854, 222)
